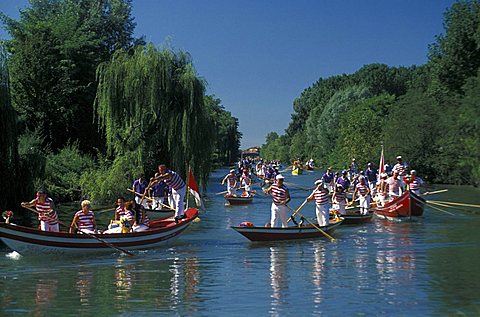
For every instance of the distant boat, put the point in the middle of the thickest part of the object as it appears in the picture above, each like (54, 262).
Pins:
(254, 233)
(297, 171)
(239, 200)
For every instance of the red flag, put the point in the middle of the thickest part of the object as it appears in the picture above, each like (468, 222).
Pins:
(193, 189)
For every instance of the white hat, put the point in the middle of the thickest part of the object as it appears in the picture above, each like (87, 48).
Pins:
(279, 176)
(318, 181)
(232, 171)
(399, 157)
(413, 172)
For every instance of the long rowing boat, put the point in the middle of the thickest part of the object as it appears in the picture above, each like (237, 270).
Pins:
(405, 206)
(27, 240)
(256, 234)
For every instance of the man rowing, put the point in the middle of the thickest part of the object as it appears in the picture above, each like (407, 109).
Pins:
(231, 180)
(322, 203)
(327, 178)
(280, 198)
(84, 219)
(413, 182)
(178, 187)
(363, 192)
(138, 187)
(394, 186)
(45, 209)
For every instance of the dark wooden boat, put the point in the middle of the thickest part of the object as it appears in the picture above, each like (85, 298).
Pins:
(163, 213)
(405, 206)
(356, 218)
(26, 240)
(239, 200)
(254, 233)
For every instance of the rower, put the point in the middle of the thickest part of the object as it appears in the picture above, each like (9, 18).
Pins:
(178, 187)
(413, 182)
(138, 187)
(84, 219)
(322, 203)
(45, 209)
(339, 199)
(394, 186)
(381, 189)
(280, 198)
(231, 179)
(363, 195)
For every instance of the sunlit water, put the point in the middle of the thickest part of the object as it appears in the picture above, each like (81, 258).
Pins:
(425, 267)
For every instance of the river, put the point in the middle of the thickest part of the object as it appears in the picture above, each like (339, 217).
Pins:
(424, 267)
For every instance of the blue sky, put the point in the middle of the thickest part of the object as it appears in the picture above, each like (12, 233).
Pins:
(257, 56)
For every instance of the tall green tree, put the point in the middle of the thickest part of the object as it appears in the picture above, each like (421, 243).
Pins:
(151, 102)
(55, 49)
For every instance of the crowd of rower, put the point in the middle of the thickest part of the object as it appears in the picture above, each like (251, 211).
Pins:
(129, 216)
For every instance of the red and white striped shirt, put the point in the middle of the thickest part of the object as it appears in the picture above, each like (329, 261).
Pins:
(279, 193)
(321, 196)
(362, 189)
(85, 220)
(340, 197)
(45, 213)
(414, 183)
(124, 212)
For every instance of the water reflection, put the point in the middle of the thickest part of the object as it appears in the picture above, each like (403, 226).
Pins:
(83, 285)
(45, 293)
(318, 272)
(278, 277)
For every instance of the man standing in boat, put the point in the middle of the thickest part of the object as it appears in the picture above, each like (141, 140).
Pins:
(413, 182)
(138, 187)
(371, 175)
(328, 178)
(46, 211)
(158, 194)
(231, 179)
(178, 187)
(322, 203)
(363, 192)
(280, 197)
(394, 186)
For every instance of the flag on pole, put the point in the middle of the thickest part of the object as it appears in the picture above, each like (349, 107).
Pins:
(381, 166)
(193, 189)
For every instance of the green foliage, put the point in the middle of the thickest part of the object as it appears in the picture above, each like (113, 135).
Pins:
(63, 171)
(32, 156)
(109, 180)
(151, 102)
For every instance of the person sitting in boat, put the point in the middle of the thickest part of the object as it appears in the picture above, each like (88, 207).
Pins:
(139, 186)
(322, 202)
(231, 180)
(178, 187)
(142, 222)
(381, 190)
(158, 193)
(394, 186)
(45, 209)
(413, 182)
(280, 198)
(124, 210)
(339, 199)
(363, 192)
(84, 219)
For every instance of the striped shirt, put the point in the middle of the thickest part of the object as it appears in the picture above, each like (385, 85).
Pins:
(401, 168)
(45, 213)
(279, 193)
(362, 189)
(174, 181)
(414, 183)
(120, 212)
(85, 220)
(321, 196)
(340, 197)
(231, 179)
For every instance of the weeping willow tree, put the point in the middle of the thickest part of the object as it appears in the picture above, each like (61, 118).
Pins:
(151, 102)
(8, 140)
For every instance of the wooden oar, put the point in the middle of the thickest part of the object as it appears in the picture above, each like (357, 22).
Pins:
(315, 226)
(295, 212)
(151, 199)
(221, 193)
(453, 203)
(434, 192)
(440, 209)
(91, 235)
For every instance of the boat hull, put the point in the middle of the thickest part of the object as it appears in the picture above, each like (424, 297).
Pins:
(356, 219)
(239, 200)
(406, 206)
(280, 234)
(26, 240)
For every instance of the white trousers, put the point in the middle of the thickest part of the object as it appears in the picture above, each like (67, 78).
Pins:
(157, 203)
(178, 197)
(364, 203)
(322, 212)
(340, 207)
(279, 215)
(144, 202)
(231, 190)
(45, 226)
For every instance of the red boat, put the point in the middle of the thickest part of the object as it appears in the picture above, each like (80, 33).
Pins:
(405, 206)
(253, 233)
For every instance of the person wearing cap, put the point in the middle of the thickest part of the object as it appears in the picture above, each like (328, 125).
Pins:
(231, 179)
(363, 192)
(413, 182)
(246, 182)
(139, 186)
(327, 178)
(401, 167)
(322, 202)
(339, 199)
(394, 186)
(45, 209)
(84, 219)
(280, 198)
